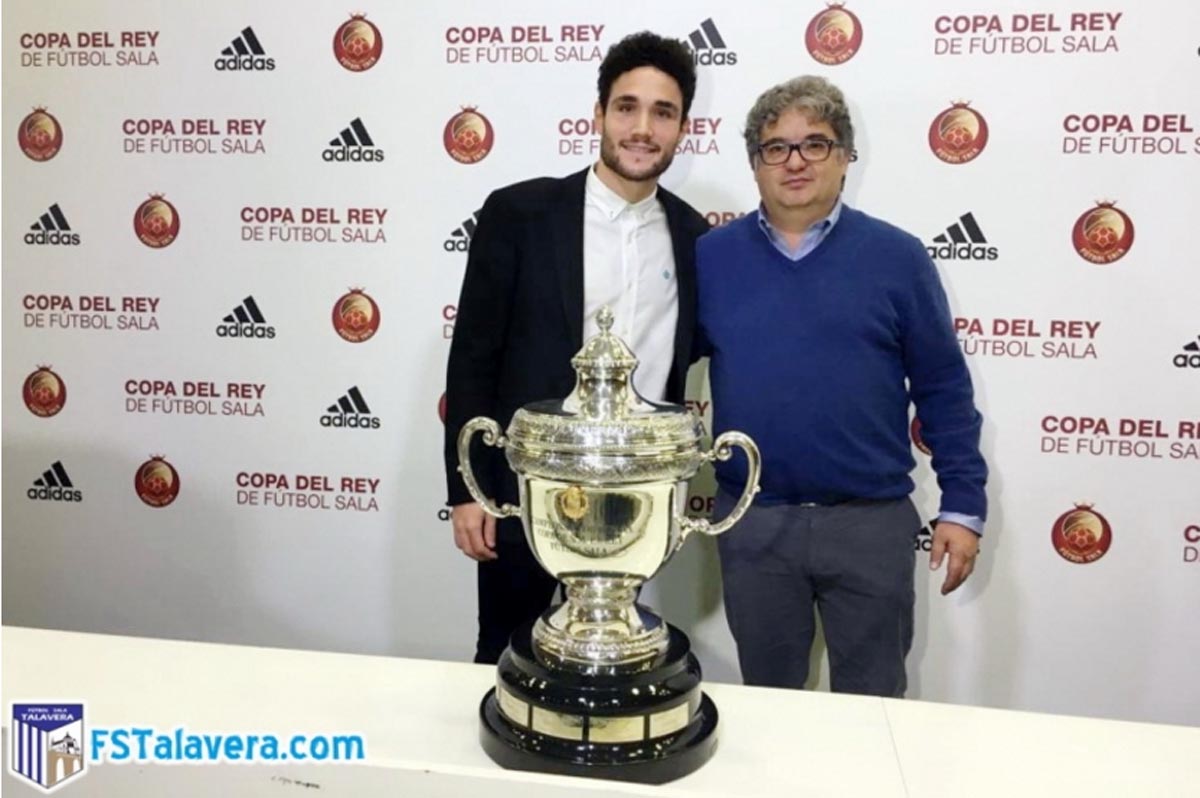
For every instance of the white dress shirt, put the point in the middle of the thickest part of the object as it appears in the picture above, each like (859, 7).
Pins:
(629, 265)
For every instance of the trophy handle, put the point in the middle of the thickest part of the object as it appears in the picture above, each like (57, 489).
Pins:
(722, 450)
(492, 436)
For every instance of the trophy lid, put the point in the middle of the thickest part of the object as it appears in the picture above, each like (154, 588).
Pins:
(604, 370)
(604, 350)
(604, 414)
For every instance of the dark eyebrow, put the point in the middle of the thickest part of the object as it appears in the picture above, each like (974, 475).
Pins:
(809, 137)
(632, 98)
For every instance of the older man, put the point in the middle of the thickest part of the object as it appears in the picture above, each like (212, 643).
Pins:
(822, 324)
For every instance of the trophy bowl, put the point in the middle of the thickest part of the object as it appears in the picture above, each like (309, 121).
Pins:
(603, 477)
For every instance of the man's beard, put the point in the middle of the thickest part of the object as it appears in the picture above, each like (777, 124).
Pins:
(611, 159)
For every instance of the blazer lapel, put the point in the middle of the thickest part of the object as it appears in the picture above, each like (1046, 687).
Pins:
(568, 252)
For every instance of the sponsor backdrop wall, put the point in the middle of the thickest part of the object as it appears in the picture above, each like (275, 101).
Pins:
(234, 236)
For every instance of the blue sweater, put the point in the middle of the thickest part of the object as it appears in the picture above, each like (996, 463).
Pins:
(810, 359)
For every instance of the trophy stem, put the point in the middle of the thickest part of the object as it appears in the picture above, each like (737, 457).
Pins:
(599, 627)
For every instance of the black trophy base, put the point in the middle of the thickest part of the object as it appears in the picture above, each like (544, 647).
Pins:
(650, 724)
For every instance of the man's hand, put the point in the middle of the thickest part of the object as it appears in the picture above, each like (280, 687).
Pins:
(962, 545)
(474, 531)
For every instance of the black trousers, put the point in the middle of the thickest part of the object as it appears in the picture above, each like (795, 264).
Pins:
(513, 589)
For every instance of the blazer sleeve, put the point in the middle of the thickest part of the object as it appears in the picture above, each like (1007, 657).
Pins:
(477, 347)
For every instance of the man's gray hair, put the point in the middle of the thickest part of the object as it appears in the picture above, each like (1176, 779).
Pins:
(815, 97)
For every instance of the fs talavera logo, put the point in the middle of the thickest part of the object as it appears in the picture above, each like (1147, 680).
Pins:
(46, 744)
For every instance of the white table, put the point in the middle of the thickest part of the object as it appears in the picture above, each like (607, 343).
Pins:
(419, 719)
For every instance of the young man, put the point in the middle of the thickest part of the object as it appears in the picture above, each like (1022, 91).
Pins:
(546, 255)
(822, 323)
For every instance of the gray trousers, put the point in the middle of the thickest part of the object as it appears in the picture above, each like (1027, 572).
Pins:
(852, 562)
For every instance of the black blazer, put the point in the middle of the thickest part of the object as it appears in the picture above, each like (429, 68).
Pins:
(520, 314)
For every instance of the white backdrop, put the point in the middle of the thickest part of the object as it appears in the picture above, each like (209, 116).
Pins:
(360, 556)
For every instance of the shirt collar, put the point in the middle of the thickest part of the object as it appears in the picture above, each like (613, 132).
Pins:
(820, 225)
(613, 204)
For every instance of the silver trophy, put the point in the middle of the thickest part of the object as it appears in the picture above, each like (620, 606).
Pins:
(603, 478)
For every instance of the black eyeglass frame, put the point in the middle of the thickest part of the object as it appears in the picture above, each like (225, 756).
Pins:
(795, 146)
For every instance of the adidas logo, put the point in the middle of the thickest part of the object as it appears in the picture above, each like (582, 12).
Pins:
(354, 144)
(925, 536)
(708, 46)
(54, 485)
(350, 411)
(52, 228)
(245, 53)
(962, 241)
(246, 321)
(1189, 358)
(460, 239)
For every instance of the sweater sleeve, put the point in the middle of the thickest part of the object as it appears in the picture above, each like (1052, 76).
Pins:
(940, 387)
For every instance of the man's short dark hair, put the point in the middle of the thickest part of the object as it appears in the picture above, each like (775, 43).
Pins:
(649, 49)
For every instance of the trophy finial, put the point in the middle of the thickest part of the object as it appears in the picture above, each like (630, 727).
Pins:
(605, 319)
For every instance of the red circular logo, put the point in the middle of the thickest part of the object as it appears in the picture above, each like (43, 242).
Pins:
(834, 35)
(156, 222)
(156, 482)
(357, 44)
(40, 135)
(355, 316)
(442, 408)
(1081, 535)
(914, 431)
(468, 136)
(1103, 234)
(958, 134)
(44, 392)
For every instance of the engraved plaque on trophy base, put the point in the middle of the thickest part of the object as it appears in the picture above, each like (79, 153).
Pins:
(650, 723)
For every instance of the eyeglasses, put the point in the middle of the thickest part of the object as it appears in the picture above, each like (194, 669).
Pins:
(813, 150)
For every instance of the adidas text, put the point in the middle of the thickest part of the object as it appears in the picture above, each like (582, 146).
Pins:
(55, 237)
(340, 420)
(714, 58)
(354, 154)
(245, 331)
(1187, 360)
(55, 494)
(963, 252)
(244, 63)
